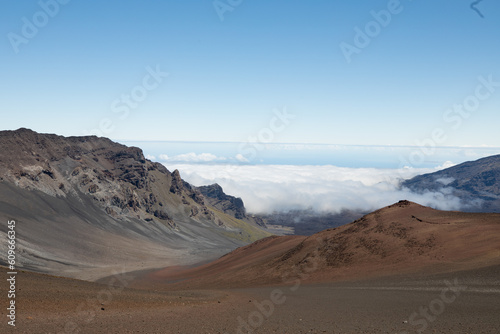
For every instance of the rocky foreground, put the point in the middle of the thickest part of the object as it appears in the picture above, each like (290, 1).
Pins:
(458, 302)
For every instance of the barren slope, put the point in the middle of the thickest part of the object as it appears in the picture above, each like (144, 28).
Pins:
(47, 304)
(403, 238)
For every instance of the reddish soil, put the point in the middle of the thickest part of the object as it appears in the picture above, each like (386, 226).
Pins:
(403, 238)
(376, 275)
(48, 304)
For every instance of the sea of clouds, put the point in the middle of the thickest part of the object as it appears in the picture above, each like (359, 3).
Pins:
(268, 188)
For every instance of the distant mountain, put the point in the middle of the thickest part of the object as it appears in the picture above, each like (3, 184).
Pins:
(476, 183)
(300, 222)
(308, 222)
(403, 238)
(85, 206)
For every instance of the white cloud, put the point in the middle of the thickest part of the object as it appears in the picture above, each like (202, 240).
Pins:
(445, 180)
(265, 188)
(241, 158)
(192, 158)
(150, 157)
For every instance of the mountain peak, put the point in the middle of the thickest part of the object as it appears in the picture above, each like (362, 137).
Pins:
(402, 203)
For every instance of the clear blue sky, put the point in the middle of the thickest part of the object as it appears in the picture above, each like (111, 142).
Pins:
(226, 77)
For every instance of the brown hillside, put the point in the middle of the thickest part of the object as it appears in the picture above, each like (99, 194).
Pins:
(403, 238)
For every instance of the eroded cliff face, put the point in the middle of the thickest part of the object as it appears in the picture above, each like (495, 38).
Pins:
(234, 206)
(216, 197)
(119, 178)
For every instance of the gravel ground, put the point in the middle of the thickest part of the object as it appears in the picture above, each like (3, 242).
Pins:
(47, 304)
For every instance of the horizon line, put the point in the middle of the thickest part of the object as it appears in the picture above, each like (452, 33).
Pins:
(297, 143)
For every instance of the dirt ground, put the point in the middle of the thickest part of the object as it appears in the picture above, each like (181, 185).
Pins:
(402, 304)
(402, 269)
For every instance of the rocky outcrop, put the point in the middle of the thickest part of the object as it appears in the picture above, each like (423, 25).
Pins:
(217, 198)
(226, 203)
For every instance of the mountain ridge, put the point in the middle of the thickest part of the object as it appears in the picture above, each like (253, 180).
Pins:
(63, 188)
(476, 183)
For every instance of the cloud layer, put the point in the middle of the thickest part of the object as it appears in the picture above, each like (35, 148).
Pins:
(197, 158)
(192, 158)
(268, 188)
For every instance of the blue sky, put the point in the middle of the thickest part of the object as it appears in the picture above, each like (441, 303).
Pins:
(228, 78)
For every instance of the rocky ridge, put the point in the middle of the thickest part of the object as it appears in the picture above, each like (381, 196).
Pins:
(75, 184)
(218, 199)
(117, 177)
